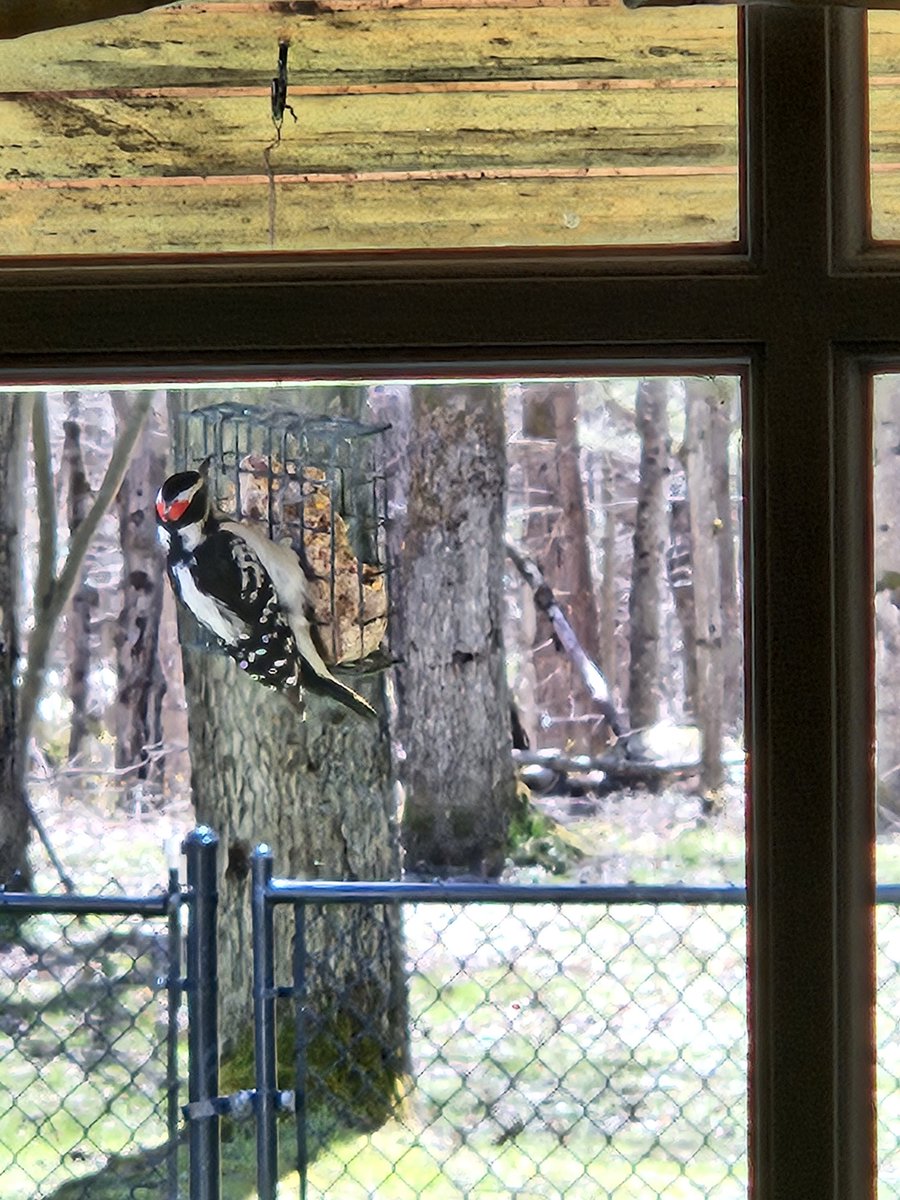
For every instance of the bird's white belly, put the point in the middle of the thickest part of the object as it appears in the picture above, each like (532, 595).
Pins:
(207, 610)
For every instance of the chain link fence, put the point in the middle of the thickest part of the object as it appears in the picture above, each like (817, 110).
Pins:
(887, 1034)
(554, 1050)
(560, 1051)
(88, 1057)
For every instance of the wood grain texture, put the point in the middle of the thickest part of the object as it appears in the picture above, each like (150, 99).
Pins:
(216, 46)
(198, 217)
(56, 138)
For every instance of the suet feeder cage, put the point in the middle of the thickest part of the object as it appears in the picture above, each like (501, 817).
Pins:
(315, 482)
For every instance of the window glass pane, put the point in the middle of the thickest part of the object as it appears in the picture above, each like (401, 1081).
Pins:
(419, 126)
(563, 1050)
(887, 767)
(884, 122)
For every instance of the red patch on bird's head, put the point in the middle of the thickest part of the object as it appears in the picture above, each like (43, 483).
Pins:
(172, 512)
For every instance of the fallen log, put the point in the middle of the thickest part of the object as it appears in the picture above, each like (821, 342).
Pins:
(617, 769)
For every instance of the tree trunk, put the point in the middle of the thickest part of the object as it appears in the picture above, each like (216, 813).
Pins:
(722, 414)
(607, 614)
(556, 537)
(705, 531)
(141, 685)
(85, 598)
(319, 792)
(652, 423)
(15, 823)
(453, 703)
(679, 564)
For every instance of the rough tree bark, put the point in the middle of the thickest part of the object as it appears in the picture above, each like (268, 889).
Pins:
(652, 422)
(453, 702)
(318, 791)
(141, 684)
(700, 396)
(15, 824)
(556, 536)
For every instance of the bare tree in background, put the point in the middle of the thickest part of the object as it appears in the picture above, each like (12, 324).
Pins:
(79, 499)
(53, 587)
(15, 821)
(700, 398)
(723, 414)
(650, 535)
(680, 569)
(608, 588)
(141, 684)
(453, 708)
(556, 537)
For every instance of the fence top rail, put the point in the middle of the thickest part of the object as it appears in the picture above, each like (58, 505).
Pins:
(333, 891)
(323, 891)
(70, 905)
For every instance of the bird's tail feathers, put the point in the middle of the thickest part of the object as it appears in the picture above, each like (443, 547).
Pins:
(327, 685)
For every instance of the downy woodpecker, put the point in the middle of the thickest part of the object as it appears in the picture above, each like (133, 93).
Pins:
(246, 589)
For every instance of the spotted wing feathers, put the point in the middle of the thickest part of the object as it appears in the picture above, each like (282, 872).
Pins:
(240, 606)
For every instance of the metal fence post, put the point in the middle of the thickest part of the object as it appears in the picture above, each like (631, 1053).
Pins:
(202, 986)
(264, 1025)
(300, 1039)
(174, 990)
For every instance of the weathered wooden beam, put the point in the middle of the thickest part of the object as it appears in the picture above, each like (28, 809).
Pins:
(51, 137)
(217, 47)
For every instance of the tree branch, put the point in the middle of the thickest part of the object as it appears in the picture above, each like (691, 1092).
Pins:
(47, 614)
(546, 602)
(19, 17)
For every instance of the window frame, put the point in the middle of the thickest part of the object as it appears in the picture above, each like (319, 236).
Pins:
(807, 301)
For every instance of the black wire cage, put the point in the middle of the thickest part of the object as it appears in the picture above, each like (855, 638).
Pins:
(317, 483)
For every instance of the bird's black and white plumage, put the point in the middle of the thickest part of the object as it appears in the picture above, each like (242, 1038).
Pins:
(246, 589)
